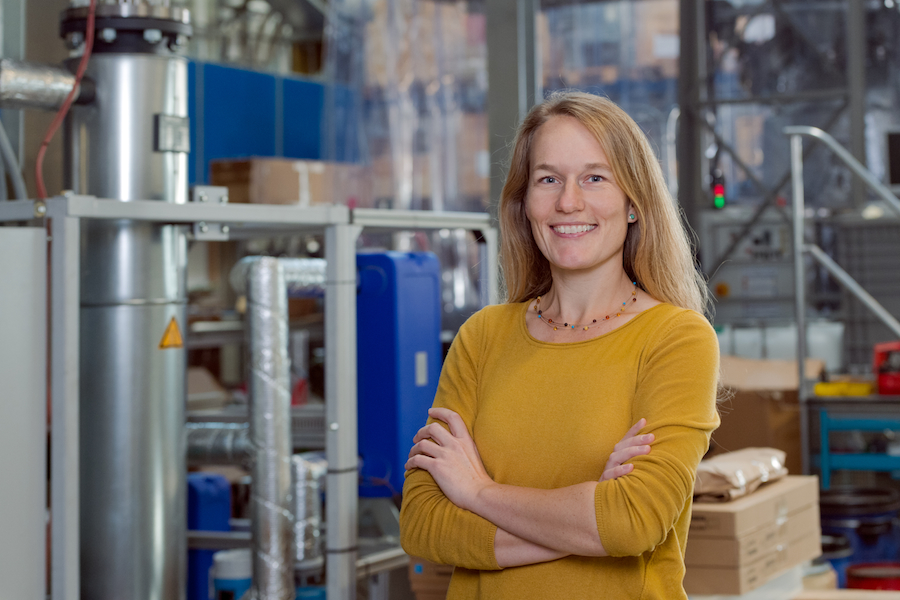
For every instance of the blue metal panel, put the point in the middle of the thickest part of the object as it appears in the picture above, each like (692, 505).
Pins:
(399, 360)
(238, 113)
(302, 119)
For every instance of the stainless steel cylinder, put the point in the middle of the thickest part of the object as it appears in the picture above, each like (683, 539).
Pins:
(133, 370)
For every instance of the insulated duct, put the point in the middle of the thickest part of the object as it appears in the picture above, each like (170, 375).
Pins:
(218, 444)
(29, 85)
(308, 472)
(270, 431)
(303, 277)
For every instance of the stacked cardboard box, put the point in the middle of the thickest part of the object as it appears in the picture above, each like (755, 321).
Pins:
(289, 181)
(737, 546)
(762, 409)
(429, 581)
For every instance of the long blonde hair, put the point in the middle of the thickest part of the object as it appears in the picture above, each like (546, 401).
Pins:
(658, 253)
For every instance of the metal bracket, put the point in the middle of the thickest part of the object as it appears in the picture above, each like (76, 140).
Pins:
(211, 232)
(210, 194)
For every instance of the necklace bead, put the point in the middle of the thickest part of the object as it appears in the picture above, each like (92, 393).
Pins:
(549, 321)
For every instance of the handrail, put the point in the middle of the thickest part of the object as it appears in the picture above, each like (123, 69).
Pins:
(853, 287)
(801, 248)
(857, 167)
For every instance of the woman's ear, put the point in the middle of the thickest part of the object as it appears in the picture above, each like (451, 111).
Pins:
(632, 214)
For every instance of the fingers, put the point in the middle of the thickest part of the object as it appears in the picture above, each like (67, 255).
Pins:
(419, 461)
(635, 428)
(638, 440)
(435, 432)
(622, 456)
(454, 421)
(616, 472)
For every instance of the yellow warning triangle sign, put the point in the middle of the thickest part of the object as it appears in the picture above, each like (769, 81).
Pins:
(172, 337)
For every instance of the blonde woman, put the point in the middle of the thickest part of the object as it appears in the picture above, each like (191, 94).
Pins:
(517, 478)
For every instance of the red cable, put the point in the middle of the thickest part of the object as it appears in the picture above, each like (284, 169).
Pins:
(64, 109)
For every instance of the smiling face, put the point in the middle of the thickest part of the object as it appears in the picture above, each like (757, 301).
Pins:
(579, 216)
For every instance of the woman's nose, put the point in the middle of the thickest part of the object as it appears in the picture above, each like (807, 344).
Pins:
(571, 198)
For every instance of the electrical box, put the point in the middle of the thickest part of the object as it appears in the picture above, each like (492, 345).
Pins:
(398, 360)
(756, 283)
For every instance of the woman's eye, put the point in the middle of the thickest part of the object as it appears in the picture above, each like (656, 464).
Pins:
(595, 178)
(547, 179)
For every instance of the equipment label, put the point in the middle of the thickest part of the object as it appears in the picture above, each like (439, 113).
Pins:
(421, 369)
(172, 337)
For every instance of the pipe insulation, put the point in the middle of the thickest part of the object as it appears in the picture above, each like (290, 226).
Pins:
(304, 277)
(29, 85)
(218, 444)
(308, 471)
(270, 432)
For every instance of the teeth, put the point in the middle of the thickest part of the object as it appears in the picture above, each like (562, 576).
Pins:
(573, 228)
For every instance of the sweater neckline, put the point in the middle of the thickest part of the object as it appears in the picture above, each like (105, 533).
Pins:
(523, 328)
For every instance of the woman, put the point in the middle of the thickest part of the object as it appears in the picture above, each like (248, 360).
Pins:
(602, 327)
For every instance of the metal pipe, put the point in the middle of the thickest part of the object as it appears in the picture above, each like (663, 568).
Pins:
(853, 287)
(303, 277)
(857, 51)
(270, 432)
(218, 444)
(308, 471)
(12, 166)
(857, 167)
(30, 85)
(800, 289)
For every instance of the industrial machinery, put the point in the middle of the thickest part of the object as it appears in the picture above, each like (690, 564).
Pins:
(127, 139)
(131, 143)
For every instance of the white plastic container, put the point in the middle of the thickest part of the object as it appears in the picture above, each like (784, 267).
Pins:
(231, 574)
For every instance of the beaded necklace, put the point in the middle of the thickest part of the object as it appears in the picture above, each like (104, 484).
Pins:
(555, 326)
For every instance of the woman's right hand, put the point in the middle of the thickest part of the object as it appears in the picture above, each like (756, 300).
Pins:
(629, 446)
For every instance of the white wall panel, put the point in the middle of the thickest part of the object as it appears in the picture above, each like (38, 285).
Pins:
(23, 411)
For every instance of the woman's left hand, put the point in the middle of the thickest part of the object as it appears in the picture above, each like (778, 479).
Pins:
(450, 457)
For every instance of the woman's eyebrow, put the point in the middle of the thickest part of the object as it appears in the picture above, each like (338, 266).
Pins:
(587, 167)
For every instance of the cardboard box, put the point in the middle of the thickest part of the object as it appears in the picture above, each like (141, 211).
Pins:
(204, 391)
(428, 578)
(769, 504)
(762, 409)
(740, 580)
(288, 181)
(733, 552)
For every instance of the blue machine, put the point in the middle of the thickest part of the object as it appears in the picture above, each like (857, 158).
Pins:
(399, 360)
(209, 509)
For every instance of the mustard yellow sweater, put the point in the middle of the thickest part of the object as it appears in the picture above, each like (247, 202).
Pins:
(547, 416)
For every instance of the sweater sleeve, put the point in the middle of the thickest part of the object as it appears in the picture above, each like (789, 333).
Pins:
(676, 393)
(431, 526)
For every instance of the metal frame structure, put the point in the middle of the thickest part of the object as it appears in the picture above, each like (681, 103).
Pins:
(801, 248)
(341, 227)
(696, 96)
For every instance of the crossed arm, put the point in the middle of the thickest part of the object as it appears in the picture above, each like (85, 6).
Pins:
(534, 525)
